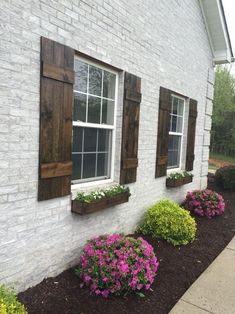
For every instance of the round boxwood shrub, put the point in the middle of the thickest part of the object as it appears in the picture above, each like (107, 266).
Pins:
(204, 203)
(225, 178)
(9, 303)
(117, 264)
(167, 220)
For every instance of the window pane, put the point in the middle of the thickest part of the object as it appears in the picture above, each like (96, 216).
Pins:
(107, 111)
(173, 123)
(79, 107)
(102, 165)
(90, 139)
(109, 85)
(76, 159)
(77, 139)
(81, 70)
(94, 105)
(174, 151)
(95, 79)
(179, 124)
(175, 105)
(180, 107)
(103, 140)
(89, 162)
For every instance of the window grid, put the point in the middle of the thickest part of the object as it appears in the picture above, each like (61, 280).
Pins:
(176, 134)
(106, 98)
(96, 155)
(101, 104)
(87, 95)
(100, 125)
(96, 152)
(82, 161)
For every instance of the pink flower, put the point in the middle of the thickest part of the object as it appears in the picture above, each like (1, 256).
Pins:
(204, 203)
(87, 279)
(97, 292)
(123, 267)
(105, 293)
(116, 264)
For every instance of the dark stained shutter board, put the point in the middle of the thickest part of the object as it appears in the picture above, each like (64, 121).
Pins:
(163, 132)
(130, 128)
(56, 98)
(191, 134)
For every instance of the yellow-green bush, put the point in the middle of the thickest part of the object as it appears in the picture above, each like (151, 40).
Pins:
(9, 303)
(167, 220)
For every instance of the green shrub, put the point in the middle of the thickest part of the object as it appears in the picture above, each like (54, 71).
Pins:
(167, 220)
(225, 178)
(9, 303)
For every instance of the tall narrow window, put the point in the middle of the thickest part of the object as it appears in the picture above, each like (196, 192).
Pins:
(93, 122)
(176, 132)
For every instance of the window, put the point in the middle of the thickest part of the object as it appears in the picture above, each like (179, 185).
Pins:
(176, 132)
(93, 122)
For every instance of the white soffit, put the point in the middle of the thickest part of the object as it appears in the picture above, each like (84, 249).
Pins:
(213, 13)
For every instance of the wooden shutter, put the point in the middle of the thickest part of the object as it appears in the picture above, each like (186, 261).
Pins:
(130, 128)
(56, 98)
(191, 134)
(163, 132)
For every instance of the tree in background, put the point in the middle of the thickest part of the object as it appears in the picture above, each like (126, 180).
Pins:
(223, 119)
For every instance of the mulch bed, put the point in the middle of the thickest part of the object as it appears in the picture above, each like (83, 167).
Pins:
(179, 268)
(220, 163)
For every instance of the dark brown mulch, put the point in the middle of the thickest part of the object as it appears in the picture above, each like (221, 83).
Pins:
(179, 268)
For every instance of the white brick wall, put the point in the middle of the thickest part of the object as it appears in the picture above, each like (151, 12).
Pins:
(207, 126)
(163, 42)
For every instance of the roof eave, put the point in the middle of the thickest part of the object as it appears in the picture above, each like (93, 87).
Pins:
(224, 55)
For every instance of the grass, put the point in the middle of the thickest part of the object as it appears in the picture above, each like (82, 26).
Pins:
(213, 167)
(222, 157)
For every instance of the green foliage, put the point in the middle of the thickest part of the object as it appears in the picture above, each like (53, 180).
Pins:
(223, 119)
(225, 177)
(167, 220)
(9, 303)
(179, 175)
(95, 195)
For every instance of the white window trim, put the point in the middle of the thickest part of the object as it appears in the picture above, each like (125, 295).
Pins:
(170, 170)
(78, 186)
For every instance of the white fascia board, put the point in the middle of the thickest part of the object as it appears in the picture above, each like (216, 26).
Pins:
(207, 29)
(219, 56)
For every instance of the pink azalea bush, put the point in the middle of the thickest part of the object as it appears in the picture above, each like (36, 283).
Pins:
(204, 203)
(116, 264)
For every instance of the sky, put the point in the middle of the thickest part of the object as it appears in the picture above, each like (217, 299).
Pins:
(229, 8)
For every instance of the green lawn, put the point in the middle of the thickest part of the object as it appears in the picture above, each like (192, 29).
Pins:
(222, 157)
(213, 167)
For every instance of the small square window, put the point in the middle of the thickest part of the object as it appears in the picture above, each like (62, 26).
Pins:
(108, 111)
(94, 107)
(109, 85)
(79, 107)
(81, 72)
(95, 81)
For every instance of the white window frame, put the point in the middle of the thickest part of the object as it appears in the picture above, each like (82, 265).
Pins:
(169, 170)
(75, 184)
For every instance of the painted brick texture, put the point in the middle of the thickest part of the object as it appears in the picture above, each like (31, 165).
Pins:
(163, 42)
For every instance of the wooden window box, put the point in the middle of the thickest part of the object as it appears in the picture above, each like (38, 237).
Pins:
(87, 208)
(172, 183)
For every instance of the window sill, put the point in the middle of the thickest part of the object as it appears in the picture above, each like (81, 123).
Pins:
(97, 205)
(171, 183)
(170, 170)
(90, 186)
